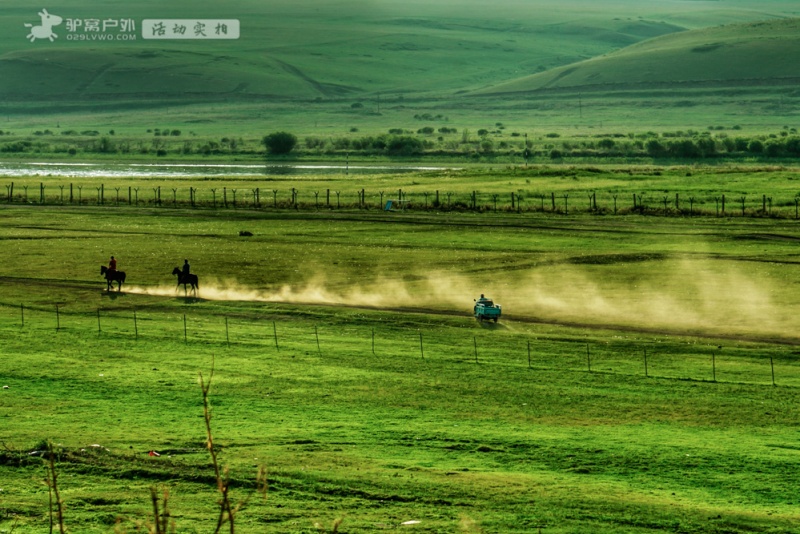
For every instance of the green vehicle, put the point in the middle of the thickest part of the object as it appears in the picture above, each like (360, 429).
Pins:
(486, 310)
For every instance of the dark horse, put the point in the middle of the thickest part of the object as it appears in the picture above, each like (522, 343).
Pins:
(113, 276)
(186, 279)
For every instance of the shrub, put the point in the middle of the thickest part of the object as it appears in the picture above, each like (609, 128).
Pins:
(654, 148)
(280, 142)
(755, 146)
(606, 144)
(404, 146)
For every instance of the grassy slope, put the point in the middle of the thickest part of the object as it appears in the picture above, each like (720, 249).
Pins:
(334, 49)
(737, 55)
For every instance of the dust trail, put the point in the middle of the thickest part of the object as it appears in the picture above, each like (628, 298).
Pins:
(678, 296)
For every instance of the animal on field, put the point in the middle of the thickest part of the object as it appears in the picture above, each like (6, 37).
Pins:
(45, 29)
(185, 280)
(112, 276)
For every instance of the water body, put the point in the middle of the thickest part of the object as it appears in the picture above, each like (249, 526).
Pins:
(183, 170)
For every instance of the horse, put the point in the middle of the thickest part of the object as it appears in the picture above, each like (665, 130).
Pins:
(185, 279)
(113, 276)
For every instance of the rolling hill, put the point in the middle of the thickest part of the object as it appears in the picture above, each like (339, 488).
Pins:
(736, 55)
(344, 48)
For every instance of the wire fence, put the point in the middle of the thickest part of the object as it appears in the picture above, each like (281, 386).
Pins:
(256, 198)
(488, 346)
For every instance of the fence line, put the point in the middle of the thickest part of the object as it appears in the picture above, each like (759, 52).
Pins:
(516, 351)
(718, 205)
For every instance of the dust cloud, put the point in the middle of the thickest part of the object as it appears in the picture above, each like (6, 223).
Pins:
(675, 296)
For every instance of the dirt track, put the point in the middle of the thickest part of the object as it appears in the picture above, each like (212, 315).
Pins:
(168, 292)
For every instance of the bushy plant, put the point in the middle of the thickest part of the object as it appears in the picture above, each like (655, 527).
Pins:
(280, 142)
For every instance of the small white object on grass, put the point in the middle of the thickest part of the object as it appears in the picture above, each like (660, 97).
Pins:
(412, 522)
(5, 387)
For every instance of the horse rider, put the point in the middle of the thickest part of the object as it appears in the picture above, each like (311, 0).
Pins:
(112, 265)
(185, 271)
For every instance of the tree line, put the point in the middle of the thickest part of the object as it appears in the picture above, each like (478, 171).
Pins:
(444, 142)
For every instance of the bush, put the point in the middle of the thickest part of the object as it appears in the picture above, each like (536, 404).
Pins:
(606, 144)
(404, 146)
(280, 142)
(755, 146)
(654, 148)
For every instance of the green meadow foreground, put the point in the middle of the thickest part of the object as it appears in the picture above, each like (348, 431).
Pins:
(644, 376)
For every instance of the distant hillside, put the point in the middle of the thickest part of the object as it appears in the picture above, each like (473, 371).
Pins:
(346, 48)
(735, 55)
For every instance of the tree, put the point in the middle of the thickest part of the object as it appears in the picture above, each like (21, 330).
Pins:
(404, 146)
(755, 146)
(280, 142)
(606, 144)
(654, 148)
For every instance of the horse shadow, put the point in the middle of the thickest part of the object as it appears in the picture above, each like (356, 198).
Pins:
(190, 299)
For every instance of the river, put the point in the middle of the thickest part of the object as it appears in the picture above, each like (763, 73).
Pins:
(184, 170)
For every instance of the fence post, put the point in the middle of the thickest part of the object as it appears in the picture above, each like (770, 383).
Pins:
(421, 351)
(22, 314)
(714, 363)
(58, 320)
(772, 367)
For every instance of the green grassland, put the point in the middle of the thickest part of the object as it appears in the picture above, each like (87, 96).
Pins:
(302, 67)
(643, 378)
(628, 387)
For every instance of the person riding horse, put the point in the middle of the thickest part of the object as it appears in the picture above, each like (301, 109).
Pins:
(111, 274)
(185, 277)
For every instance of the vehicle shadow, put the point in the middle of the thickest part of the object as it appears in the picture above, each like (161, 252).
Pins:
(491, 325)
